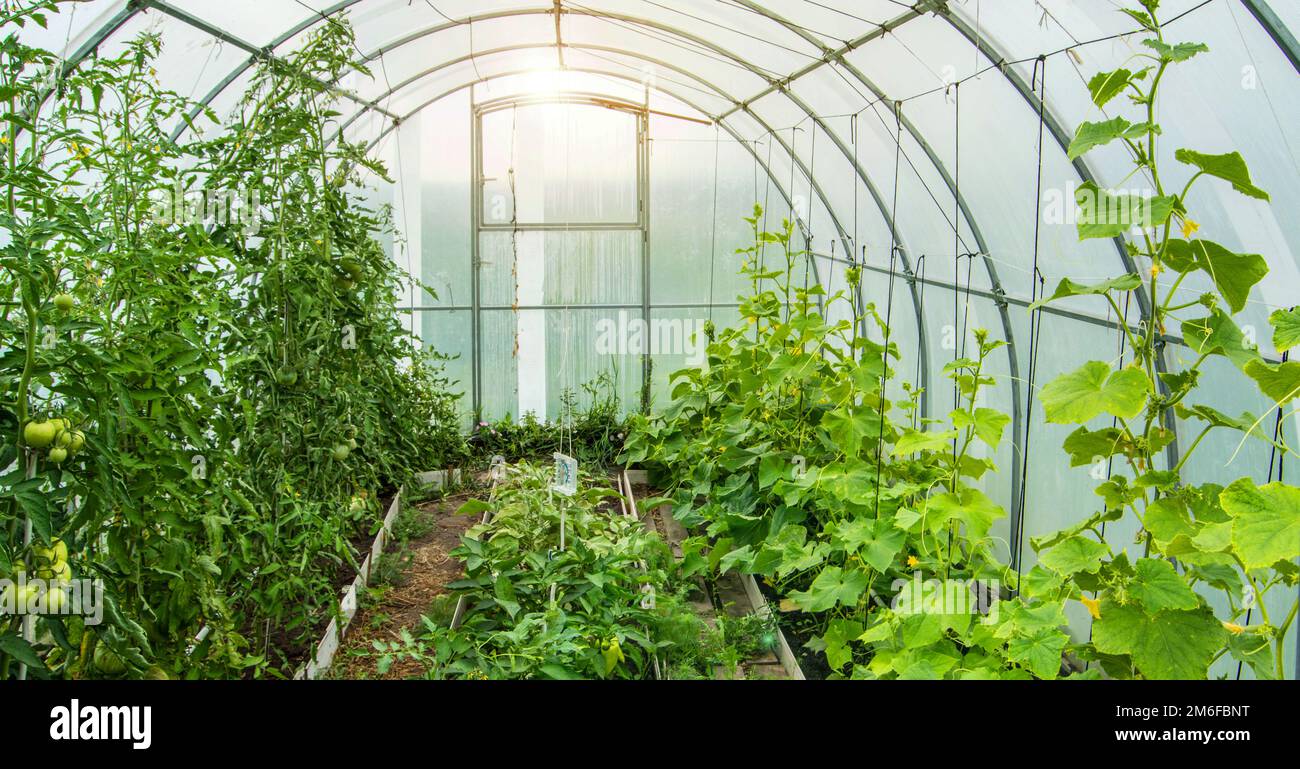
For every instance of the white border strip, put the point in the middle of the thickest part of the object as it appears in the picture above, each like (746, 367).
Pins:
(334, 632)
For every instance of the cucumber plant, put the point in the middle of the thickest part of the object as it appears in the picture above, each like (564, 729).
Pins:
(1150, 614)
(790, 455)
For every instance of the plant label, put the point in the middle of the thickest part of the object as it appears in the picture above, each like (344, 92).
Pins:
(566, 475)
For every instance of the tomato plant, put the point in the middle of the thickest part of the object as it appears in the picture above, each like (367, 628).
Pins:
(535, 610)
(174, 375)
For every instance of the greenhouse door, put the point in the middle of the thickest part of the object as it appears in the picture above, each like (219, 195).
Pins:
(559, 254)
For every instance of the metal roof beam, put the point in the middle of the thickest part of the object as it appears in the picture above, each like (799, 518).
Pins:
(256, 53)
(1276, 29)
(829, 55)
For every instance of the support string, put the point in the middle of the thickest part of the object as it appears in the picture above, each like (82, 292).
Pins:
(713, 248)
(1273, 459)
(1037, 288)
(889, 301)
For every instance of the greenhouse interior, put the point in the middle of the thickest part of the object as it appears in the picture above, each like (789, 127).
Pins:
(650, 339)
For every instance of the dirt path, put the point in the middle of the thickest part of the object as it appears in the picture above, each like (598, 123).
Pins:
(413, 592)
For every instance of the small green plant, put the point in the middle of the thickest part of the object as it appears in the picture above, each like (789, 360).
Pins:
(536, 610)
(593, 434)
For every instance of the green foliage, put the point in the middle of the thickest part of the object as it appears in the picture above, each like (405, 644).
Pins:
(885, 492)
(787, 454)
(1151, 617)
(601, 623)
(195, 359)
(593, 435)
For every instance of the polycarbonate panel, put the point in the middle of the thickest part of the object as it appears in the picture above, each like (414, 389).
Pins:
(620, 79)
(637, 74)
(398, 68)
(532, 359)
(568, 163)
(724, 69)
(253, 21)
(71, 25)
(451, 78)
(445, 172)
(560, 268)
(719, 28)
(449, 333)
(835, 24)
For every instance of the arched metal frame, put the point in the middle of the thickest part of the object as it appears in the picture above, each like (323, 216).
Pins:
(1259, 9)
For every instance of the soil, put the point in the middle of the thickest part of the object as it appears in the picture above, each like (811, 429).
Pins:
(813, 664)
(424, 578)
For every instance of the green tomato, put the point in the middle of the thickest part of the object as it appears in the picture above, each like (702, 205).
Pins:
(57, 552)
(23, 599)
(78, 441)
(352, 267)
(341, 452)
(286, 377)
(58, 455)
(65, 302)
(39, 435)
(352, 444)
